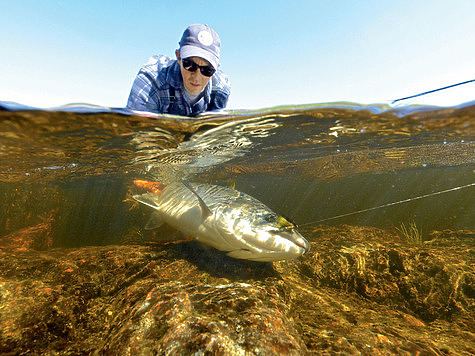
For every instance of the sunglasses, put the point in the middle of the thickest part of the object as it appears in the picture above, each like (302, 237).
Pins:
(191, 66)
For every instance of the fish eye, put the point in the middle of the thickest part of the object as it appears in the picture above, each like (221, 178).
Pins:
(272, 218)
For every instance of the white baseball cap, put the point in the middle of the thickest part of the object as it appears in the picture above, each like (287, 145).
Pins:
(202, 41)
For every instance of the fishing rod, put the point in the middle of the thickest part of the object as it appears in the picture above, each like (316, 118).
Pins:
(391, 204)
(433, 91)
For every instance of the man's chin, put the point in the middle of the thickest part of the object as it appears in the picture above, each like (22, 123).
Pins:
(194, 90)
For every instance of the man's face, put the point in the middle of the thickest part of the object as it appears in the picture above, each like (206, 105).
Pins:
(194, 82)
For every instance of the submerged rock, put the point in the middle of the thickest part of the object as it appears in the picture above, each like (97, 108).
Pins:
(358, 291)
(36, 237)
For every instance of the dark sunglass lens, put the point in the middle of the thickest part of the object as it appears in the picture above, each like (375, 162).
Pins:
(207, 71)
(189, 65)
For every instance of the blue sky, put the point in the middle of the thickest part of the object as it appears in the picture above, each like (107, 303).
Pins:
(275, 52)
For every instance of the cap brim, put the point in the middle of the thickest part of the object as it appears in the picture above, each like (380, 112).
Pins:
(192, 51)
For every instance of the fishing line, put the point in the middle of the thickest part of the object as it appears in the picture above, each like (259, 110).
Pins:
(433, 91)
(390, 204)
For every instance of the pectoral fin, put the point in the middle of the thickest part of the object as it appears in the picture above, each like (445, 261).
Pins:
(205, 211)
(242, 253)
(148, 199)
(154, 222)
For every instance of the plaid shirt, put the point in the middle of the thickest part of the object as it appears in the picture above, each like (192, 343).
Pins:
(159, 88)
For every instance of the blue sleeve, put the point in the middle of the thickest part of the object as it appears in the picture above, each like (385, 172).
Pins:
(220, 101)
(144, 94)
(221, 92)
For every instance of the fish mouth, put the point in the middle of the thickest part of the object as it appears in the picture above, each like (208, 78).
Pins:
(298, 240)
(303, 243)
(297, 245)
(266, 255)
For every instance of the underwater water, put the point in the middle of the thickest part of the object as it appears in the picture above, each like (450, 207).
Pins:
(384, 195)
(310, 164)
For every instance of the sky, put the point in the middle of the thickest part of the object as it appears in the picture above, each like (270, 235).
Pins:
(275, 52)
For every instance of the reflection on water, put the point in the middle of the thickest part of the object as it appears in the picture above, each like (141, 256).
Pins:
(308, 163)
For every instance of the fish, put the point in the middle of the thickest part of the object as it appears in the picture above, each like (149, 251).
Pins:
(224, 218)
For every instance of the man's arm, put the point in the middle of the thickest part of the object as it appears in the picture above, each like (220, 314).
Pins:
(144, 94)
(221, 92)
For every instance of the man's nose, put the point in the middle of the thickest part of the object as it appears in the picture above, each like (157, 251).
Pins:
(195, 73)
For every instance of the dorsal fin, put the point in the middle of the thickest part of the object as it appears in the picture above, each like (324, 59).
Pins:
(205, 212)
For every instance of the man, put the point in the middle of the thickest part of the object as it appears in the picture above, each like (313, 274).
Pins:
(187, 85)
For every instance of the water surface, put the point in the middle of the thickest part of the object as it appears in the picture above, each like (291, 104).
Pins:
(75, 166)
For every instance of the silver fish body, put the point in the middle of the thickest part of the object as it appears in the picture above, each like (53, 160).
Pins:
(227, 220)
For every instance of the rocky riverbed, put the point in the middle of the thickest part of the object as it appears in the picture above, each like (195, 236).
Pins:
(360, 290)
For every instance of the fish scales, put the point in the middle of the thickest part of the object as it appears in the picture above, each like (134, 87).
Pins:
(227, 220)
